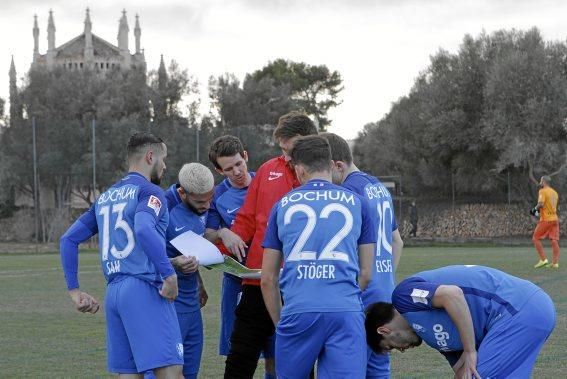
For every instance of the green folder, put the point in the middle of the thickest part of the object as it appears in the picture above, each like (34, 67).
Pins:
(232, 266)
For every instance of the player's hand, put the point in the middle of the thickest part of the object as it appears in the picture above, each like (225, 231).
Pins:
(84, 302)
(233, 243)
(465, 368)
(203, 296)
(534, 212)
(169, 288)
(185, 265)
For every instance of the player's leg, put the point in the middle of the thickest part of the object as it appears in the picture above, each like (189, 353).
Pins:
(191, 327)
(378, 365)
(252, 328)
(120, 358)
(299, 340)
(554, 237)
(511, 346)
(231, 290)
(539, 233)
(344, 354)
(151, 324)
(269, 354)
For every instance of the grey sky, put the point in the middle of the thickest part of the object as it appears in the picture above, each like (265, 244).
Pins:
(379, 47)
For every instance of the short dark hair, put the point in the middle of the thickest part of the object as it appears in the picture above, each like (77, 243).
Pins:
(340, 150)
(293, 124)
(377, 314)
(313, 152)
(140, 141)
(225, 146)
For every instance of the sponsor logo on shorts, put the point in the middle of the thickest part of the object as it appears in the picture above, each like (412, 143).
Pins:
(180, 350)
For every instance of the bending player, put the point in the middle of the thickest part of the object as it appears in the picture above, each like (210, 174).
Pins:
(485, 322)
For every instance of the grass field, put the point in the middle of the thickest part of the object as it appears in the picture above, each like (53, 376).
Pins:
(41, 335)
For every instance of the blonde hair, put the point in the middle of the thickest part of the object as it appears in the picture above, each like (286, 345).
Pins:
(196, 178)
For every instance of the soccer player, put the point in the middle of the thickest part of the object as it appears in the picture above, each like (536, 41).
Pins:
(189, 202)
(548, 225)
(324, 235)
(230, 159)
(389, 242)
(485, 322)
(253, 326)
(131, 216)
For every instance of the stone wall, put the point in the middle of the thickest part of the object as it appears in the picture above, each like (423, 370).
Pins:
(473, 221)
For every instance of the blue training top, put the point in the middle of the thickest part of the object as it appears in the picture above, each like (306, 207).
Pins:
(489, 293)
(131, 219)
(226, 202)
(384, 222)
(319, 227)
(181, 220)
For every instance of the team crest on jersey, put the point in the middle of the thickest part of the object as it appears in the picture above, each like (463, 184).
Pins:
(180, 350)
(155, 204)
(418, 328)
(203, 219)
(419, 296)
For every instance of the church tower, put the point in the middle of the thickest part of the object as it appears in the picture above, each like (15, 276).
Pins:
(89, 50)
(123, 31)
(35, 39)
(50, 57)
(15, 108)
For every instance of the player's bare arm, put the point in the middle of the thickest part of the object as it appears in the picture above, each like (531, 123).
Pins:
(203, 295)
(270, 283)
(84, 302)
(397, 247)
(452, 299)
(366, 254)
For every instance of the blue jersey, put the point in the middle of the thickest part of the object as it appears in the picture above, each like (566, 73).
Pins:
(384, 222)
(226, 202)
(318, 227)
(489, 293)
(112, 216)
(181, 220)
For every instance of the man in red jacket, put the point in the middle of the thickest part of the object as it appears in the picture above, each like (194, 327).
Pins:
(253, 326)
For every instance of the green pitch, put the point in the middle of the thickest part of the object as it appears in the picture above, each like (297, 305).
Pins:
(42, 335)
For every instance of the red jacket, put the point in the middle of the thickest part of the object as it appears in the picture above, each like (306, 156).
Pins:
(273, 179)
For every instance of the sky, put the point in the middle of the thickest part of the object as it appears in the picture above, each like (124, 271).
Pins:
(379, 47)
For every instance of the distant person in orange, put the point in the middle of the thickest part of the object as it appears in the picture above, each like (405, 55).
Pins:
(548, 225)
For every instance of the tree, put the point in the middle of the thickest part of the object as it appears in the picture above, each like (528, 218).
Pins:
(314, 89)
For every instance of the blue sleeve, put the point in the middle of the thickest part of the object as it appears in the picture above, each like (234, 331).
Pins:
(271, 239)
(171, 197)
(214, 218)
(368, 231)
(414, 294)
(152, 242)
(81, 230)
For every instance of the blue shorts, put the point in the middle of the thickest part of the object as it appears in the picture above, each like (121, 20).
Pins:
(142, 331)
(231, 291)
(191, 327)
(336, 339)
(511, 346)
(378, 365)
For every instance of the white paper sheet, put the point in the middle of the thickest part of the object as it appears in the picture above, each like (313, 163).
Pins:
(192, 244)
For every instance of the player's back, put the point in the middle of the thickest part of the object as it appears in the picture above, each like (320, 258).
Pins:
(550, 199)
(382, 283)
(115, 211)
(319, 226)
